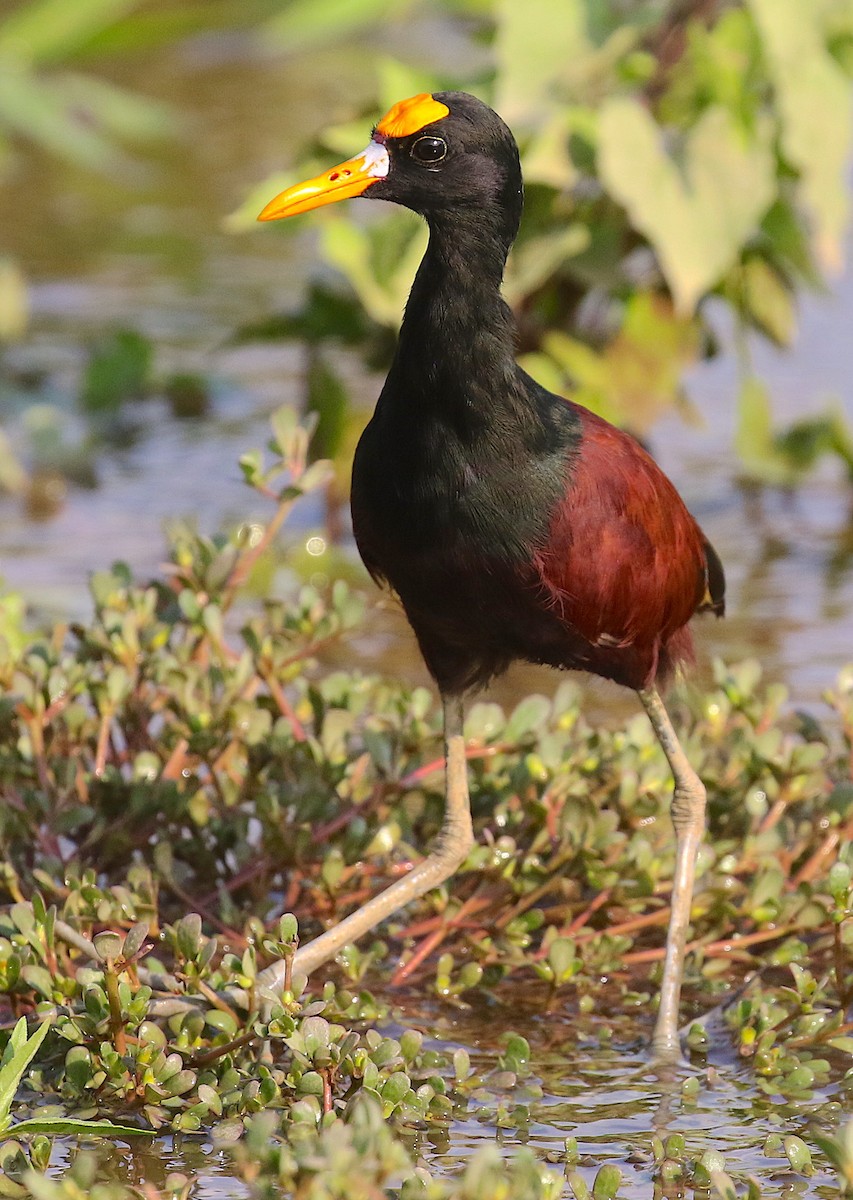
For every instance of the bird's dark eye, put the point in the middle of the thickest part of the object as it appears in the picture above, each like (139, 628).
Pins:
(429, 150)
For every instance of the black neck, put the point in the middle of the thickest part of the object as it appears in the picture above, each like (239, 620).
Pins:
(456, 354)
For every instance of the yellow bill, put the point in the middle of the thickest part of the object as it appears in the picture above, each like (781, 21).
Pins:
(350, 178)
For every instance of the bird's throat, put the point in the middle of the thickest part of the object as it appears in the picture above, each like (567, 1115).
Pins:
(456, 354)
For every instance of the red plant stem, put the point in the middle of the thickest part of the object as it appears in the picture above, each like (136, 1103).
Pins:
(423, 951)
(175, 762)
(435, 939)
(285, 707)
(103, 743)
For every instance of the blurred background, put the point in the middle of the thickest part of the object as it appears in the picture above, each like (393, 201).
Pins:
(683, 269)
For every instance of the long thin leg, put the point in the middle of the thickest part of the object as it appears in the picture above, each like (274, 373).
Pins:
(688, 819)
(452, 845)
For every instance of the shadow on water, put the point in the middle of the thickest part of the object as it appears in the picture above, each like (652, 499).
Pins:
(158, 262)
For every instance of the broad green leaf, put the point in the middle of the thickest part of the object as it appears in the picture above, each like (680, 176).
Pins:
(548, 53)
(528, 716)
(638, 373)
(535, 260)
(697, 213)
(63, 1126)
(528, 63)
(769, 301)
(45, 31)
(546, 157)
(12, 1071)
(813, 95)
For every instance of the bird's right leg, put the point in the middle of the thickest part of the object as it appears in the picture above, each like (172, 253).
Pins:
(452, 845)
(688, 819)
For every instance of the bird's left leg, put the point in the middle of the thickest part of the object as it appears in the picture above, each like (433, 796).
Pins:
(688, 819)
(455, 839)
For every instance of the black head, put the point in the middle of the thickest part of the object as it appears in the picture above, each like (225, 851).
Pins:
(443, 155)
(467, 159)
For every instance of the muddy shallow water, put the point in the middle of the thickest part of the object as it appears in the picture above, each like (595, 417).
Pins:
(155, 258)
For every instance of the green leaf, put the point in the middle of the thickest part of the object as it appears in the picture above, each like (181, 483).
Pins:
(606, 1182)
(529, 716)
(798, 1155)
(528, 63)
(349, 248)
(45, 31)
(13, 1069)
(60, 1126)
(699, 212)
(754, 440)
(768, 301)
(813, 96)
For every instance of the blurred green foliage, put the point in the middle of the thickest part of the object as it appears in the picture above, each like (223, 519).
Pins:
(46, 99)
(673, 154)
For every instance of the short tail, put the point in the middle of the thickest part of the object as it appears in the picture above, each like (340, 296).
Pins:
(714, 599)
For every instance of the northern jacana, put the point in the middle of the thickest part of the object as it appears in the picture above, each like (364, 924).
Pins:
(512, 523)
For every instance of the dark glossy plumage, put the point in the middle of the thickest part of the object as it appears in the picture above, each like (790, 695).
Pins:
(512, 523)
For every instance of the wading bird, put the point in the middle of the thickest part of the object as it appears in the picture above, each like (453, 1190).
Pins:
(512, 523)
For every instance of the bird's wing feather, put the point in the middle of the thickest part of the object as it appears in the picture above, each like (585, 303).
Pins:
(624, 562)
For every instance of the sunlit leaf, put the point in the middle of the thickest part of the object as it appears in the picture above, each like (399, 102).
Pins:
(14, 306)
(528, 63)
(813, 95)
(697, 213)
(535, 260)
(45, 31)
(348, 247)
(72, 1126)
(768, 301)
(548, 54)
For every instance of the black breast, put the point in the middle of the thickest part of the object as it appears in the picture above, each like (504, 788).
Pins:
(450, 514)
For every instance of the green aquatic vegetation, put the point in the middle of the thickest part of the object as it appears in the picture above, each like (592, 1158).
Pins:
(190, 793)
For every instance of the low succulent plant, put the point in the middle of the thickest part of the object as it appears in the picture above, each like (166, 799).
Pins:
(189, 792)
